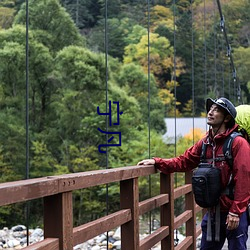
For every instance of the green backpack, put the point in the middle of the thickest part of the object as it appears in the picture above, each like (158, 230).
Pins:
(243, 120)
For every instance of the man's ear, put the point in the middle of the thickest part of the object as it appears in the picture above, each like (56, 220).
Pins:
(228, 118)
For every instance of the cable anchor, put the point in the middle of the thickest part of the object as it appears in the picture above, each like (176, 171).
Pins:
(229, 51)
(222, 24)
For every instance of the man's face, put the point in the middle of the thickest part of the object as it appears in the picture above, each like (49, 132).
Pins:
(215, 116)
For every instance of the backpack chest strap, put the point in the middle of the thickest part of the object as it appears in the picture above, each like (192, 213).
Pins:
(217, 159)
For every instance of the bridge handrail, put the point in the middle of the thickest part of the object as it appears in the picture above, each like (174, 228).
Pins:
(56, 192)
(24, 190)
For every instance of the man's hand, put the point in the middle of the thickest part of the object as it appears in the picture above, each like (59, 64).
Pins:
(146, 162)
(232, 221)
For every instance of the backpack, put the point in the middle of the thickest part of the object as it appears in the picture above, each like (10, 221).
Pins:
(206, 179)
(243, 120)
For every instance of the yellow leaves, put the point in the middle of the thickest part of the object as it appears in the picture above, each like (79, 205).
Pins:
(188, 107)
(171, 85)
(160, 12)
(170, 102)
(203, 114)
(189, 139)
(179, 69)
(195, 134)
(159, 53)
(161, 16)
(166, 96)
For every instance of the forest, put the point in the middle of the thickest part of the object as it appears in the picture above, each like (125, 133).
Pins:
(61, 60)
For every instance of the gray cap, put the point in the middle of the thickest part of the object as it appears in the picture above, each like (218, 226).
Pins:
(223, 103)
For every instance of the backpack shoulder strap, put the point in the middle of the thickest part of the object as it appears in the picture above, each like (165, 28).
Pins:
(227, 148)
(203, 152)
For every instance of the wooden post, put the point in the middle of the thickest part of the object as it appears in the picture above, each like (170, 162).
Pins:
(129, 196)
(167, 210)
(58, 219)
(190, 205)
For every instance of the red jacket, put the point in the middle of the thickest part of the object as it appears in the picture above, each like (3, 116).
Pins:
(241, 167)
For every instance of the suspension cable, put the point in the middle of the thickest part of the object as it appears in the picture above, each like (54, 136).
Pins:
(229, 53)
(106, 72)
(27, 88)
(215, 51)
(221, 68)
(27, 207)
(175, 87)
(175, 95)
(192, 76)
(107, 102)
(149, 120)
(205, 49)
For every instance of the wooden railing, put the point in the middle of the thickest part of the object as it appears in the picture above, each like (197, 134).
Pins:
(59, 232)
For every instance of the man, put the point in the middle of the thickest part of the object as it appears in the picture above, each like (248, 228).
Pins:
(221, 115)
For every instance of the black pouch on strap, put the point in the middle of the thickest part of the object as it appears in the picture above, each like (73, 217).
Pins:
(206, 185)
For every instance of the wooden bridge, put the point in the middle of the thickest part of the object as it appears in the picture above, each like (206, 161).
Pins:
(56, 192)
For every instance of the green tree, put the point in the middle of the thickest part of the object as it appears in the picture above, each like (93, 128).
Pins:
(13, 148)
(12, 113)
(53, 25)
(40, 67)
(42, 163)
(237, 21)
(117, 31)
(242, 64)
(161, 57)
(81, 90)
(131, 9)
(84, 13)
(13, 60)
(135, 81)
(161, 63)
(79, 75)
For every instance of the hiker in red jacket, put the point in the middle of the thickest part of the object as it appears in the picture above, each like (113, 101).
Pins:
(221, 115)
